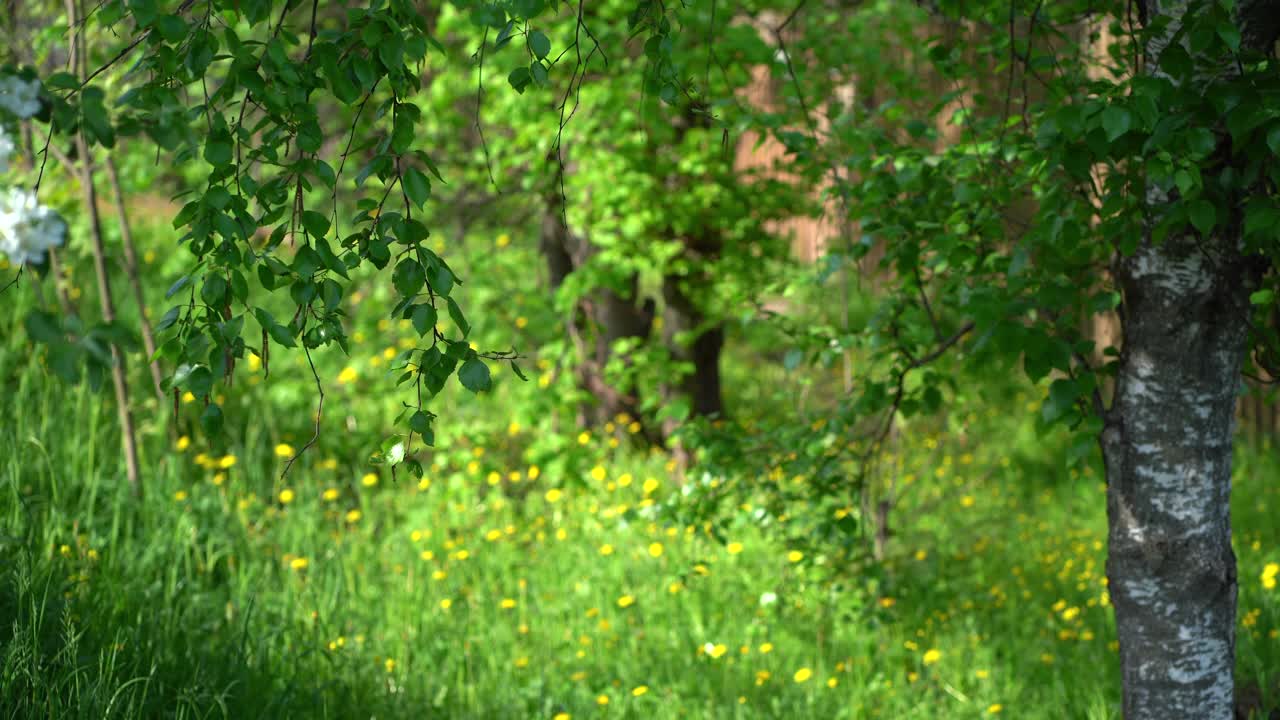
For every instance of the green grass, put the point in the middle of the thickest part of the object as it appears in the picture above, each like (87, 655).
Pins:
(193, 601)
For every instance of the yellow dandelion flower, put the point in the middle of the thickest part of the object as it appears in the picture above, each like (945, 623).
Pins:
(639, 690)
(180, 496)
(353, 516)
(932, 656)
(299, 563)
(285, 496)
(503, 240)
(227, 461)
(389, 664)
(534, 472)
(602, 700)
(606, 549)
(330, 495)
(598, 473)
(507, 603)
(651, 486)
(795, 556)
(887, 602)
(561, 716)
(655, 549)
(369, 480)
(218, 478)
(584, 437)
(521, 662)
(982, 674)
(734, 548)
(766, 648)
(183, 443)
(994, 709)
(522, 322)
(553, 495)
(284, 450)
(716, 651)
(803, 675)
(967, 501)
(626, 601)
(493, 535)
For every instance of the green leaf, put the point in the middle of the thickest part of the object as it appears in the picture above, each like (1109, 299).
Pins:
(474, 375)
(520, 79)
(266, 277)
(538, 72)
(218, 153)
(402, 134)
(1203, 215)
(1116, 121)
(416, 186)
(211, 419)
(519, 373)
(1230, 35)
(424, 319)
(331, 293)
(409, 277)
(420, 422)
(315, 223)
(1273, 139)
(539, 44)
(172, 28)
(169, 319)
(177, 286)
(455, 312)
(214, 290)
(42, 327)
(307, 262)
(441, 278)
(1262, 297)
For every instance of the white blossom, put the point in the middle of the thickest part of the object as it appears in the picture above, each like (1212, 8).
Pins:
(27, 228)
(20, 97)
(6, 150)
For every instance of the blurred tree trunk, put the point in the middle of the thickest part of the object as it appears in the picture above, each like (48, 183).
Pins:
(596, 322)
(691, 338)
(131, 274)
(1167, 444)
(118, 376)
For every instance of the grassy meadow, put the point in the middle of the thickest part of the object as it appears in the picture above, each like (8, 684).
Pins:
(494, 588)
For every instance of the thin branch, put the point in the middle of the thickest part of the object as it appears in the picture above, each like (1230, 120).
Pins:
(319, 409)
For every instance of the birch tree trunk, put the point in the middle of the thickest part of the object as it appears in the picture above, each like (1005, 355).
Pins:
(1167, 446)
